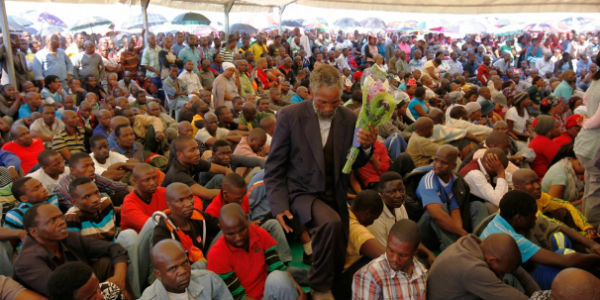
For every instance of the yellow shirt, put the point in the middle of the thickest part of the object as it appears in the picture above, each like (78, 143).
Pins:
(258, 51)
(357, 236)
(194, 119)
(549, 203)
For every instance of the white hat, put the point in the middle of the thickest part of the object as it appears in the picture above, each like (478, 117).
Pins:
(472, 107)
(227, 65)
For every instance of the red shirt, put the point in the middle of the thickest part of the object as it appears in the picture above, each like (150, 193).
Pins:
(214, 208)
(562, 139)
(135, 212)
(368, 173)
(249, 267)
(27, 155)
(483, 74)
(545, 150)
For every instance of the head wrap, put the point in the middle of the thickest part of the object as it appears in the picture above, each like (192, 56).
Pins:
(500, 99)
(227, 65)
(520, 97)
(472, 107)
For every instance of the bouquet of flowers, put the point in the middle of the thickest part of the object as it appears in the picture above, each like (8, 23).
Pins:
(377, 107)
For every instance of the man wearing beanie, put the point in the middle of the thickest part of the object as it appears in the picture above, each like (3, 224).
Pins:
(226, 86)
(546, 128)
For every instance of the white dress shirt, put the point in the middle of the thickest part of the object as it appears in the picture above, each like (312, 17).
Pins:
(479, 183)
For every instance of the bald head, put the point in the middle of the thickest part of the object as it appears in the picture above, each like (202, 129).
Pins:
(184, 128)
(522, 177)
(166, 251)
(423, 126)
(142, 169)
(118, 120)
(406, 230)
(503, 249)
(69, 114)
(447, 151)
(575, 284)
(437, 116)
(175, 190)
(232, 215)
(268, 124)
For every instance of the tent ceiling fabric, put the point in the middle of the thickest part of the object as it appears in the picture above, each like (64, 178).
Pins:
(419, 6)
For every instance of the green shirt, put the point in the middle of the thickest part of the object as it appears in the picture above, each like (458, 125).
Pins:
(254, 123)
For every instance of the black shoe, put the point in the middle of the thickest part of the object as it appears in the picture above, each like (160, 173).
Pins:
(307, 259)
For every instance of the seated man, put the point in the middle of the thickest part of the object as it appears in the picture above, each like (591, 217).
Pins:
(147, 198)
(76, 280)
(393, 193)
(396, 274)
(473, 269)
(103, 126)
(46, 127)
(49, 244)
(154, 109)
(558, 211)
(33, 101)
(496, 139)
(175, 277)
(52, 169)
(81, 165)
(517, 218)
(91, 214)
(107, 163)
(24, 147)
(458, 118)
(573, 283)
(250, 118)
(29, 192)
(72, 139)
(362, 245)
(448, 213)
(211, 132)
(245, 258)
(253, 145)
(233, 190)
(420, 148)
(187, 165)
(126, 143)
(479, 174)
(222, 155)
(194, 229)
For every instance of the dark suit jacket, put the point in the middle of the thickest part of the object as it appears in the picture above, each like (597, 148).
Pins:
(295, 168)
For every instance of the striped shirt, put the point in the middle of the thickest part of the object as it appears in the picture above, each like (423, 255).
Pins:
(100, 226)
(74, 143)
(14, 217)
(377, 280)
(115, 190)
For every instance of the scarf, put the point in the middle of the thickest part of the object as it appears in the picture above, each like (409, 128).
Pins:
(194, 253)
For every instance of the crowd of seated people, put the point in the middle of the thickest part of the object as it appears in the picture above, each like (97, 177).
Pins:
(173, 166)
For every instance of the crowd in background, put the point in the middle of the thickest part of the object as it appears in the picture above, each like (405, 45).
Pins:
(176, 166)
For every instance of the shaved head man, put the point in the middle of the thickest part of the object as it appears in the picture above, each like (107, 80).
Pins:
(147, 198)
(575, 284)
(184, 128)
(175, 277)
(526, 180)
(473, 269)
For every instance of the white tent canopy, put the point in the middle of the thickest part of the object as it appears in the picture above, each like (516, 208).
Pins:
(418, 6)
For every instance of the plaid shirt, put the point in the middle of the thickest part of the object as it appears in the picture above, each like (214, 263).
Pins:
(377, 280)
(106, 186)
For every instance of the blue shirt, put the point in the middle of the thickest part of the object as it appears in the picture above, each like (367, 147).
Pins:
(177, 48)
(56, 97)
(194, 55)
(533, 57)
(296, 99)
(14, 217)
(431, 191)
(411, 106)
(563, 91)
(500, 225)
(100, 130)
(44, 64)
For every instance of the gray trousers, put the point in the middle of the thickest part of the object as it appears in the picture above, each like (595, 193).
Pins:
(478, 212)
(591, 192)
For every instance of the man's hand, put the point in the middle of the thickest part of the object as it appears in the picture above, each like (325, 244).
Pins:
(596, 249)
(120, 282)
(159, 136)
(286, 213)
(367, 138)
(592, 233)
(301, 295)
(494, 164)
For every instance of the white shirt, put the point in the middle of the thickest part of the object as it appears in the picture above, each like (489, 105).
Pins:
(48, 182)
(519, 123)
(191, 80)
(454, 67)
(474, 129)
(203, 135)
(113, 158)
(501, 65)
(479, 183)
(544, 67)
